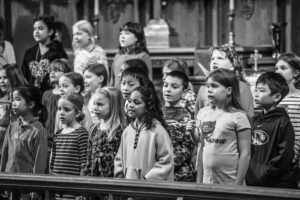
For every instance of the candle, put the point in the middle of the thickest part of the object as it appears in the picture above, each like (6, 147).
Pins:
(231, 4)
(96, 7)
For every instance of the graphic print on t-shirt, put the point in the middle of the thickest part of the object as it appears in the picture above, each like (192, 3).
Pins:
(208, 128)
(259, 137)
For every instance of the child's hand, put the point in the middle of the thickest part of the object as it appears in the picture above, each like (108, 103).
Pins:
(190, 125)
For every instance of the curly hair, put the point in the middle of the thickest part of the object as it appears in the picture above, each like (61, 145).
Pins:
(138, 31)
(233, 57)
(152, 105)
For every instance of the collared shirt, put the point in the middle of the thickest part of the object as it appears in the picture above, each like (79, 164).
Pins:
(25, 148)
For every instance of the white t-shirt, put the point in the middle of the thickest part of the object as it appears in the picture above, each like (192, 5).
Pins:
(220, 150)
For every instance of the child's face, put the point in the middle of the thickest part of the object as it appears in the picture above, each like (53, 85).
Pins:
(41, 32)
(285, 70)
(219, 60)
(55, 74)
(217, 94)
(5, 85)
(19, 104)
(66, 86)
(91, 81)
(263, 97)
(136, 106)
(172, 91)
(122, 68)
(66, 112)
(101, 106)
(81, 38)
(128, 84)
(127, 38)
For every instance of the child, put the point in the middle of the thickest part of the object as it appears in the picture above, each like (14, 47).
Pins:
(132, 45)
(10, 77)
(68, 155)
(288, 66)
(7, 53)
(225, 130)
(72, 82)
(272, 136)
(25, 144)
(225, 57)
(50, 97)
(146, 150)
(95, 76)
(86, 50)
(179, 125)
(37, 59)
(105, 137)
(188, 100)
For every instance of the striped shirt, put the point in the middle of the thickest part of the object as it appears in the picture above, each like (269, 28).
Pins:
(69, 152)
(292, 106)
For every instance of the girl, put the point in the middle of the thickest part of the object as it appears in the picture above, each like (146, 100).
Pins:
(25, 144)
(189, 98)
(132, 45)
(68, 155)
(105, 137)
(95, 76)
(225, 132)
(37, 59)
(225, 57)
(10, 78)
(7, 53)
(288, 66)
(72, 82)
(85, 48)
(146, 150)
(50, 97)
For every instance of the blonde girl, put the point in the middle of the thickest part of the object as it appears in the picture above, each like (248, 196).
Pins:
(85, 48)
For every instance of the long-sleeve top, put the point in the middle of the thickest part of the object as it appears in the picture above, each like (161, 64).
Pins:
(151, 159)
(102, 151)
(272, 150)
(68, 154)
(7, 56)
(25, 148)
(177, 119)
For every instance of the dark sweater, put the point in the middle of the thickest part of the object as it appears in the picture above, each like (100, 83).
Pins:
(271, 150)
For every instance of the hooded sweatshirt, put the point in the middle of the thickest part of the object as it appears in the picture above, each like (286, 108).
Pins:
(272, 143)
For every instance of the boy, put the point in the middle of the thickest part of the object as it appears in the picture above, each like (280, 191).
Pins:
(179, 124)
(272, 136)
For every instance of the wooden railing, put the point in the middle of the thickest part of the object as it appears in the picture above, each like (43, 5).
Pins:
(154, 189)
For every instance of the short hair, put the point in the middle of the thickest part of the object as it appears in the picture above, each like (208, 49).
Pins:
(180, 75)
(61, 65)
(137, 73)
(276, 83)
(177, 65)
(98, 70)
(76, 79)
(137, 63)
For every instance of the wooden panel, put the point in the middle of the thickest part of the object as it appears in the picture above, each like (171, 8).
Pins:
(186, 20)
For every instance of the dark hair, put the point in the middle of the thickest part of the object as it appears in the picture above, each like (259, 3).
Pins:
(177, 65)
(138, 31)
(14, 75)
(276, 83)
(78, 102)
(33, 94)
(61, 65)
(98, 70)
(228, 78)
(137, 73)
(137, 63)
(180, 75)
(76, 79)
(294, 62)
(152, 105)
(49, 22)
(233, 57)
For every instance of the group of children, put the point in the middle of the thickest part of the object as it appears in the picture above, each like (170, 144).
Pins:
(112, 123)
